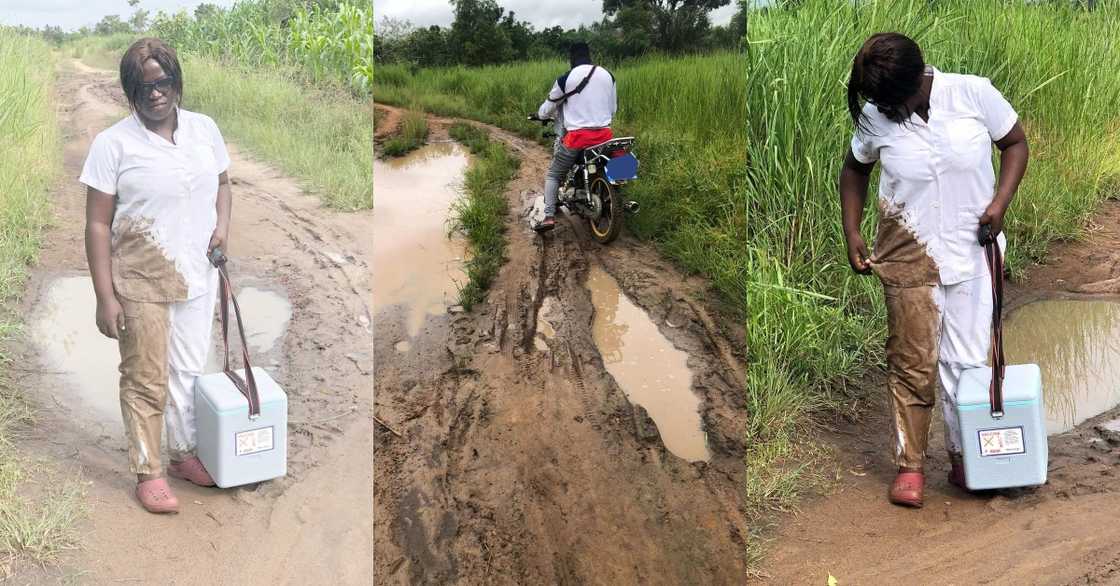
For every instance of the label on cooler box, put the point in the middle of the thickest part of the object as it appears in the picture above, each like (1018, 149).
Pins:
(254, 441)
(1002, 442)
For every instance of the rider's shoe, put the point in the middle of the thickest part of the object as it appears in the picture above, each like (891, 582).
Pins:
(546, 224)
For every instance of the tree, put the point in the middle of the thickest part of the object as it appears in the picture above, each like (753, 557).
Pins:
(677, 25)
(206, 11)
(520, 36)
(111, 25)
(476, 36)
(427, 47)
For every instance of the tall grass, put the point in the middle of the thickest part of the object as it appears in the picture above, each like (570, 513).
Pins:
(481, 213)
(814, 326)
(332, 44)
(411, 135)
(318, 134)
(101, 52)
(32, 524)
(687, 114)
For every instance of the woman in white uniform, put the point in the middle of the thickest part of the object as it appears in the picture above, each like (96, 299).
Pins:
(158, 201)
(932, 132)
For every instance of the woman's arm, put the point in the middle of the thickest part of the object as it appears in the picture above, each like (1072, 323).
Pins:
(220, 238)
(100, 207)
(854, 179)
(1013, 157)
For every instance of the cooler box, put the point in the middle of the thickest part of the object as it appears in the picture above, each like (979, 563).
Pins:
(1010, 451)
(237, 450)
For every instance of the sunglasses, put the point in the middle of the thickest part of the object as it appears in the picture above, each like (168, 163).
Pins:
(164, 85)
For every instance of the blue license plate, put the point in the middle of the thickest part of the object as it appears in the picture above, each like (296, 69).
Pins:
(624, 168)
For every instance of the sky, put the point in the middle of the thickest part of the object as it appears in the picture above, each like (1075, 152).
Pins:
(566, 13)
(73, 14)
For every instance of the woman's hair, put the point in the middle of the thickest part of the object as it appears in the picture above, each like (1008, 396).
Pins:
(886, 71)
(132, 68)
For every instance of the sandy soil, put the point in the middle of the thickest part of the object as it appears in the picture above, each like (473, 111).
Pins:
(500, 461)
(304, 528)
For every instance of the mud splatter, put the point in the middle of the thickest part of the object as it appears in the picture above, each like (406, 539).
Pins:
(899, 258)
(142, 270)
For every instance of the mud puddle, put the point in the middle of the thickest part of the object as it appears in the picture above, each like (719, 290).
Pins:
(418, 266)
(647, 367)
(65, 331)
(1077, 346)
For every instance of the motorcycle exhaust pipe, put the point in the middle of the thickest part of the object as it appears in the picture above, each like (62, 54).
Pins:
(631, 207)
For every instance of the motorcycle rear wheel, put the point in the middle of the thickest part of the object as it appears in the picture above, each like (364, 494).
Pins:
(608, 225)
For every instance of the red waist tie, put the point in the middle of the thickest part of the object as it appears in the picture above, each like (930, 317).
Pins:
(585, 137)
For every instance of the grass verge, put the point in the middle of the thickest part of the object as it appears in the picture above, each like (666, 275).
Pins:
(412, 135)
(481, 212)
(35, 525)
(319, 134)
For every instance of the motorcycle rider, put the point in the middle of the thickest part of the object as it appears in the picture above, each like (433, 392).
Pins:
(584, 100)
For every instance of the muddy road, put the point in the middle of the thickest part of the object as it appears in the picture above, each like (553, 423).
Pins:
(506, 451)
(288, 255)
(1062, 315)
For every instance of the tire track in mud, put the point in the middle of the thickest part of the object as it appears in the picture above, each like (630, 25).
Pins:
(526, 465)
(281, 236)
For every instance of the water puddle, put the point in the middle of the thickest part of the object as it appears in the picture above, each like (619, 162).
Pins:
(418, 266)
(1077, 346)
(649, 369)
(266, 314)
(64, 330)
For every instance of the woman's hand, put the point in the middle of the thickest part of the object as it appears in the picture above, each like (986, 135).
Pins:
(993, 216)
(219, 238)
(858, 256)
(110, 317)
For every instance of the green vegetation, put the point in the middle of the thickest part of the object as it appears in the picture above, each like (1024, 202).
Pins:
(330, 40)
(318, 134)
(484, 33)
(686, 114)
(33, 525)
(481, 213)
(413, 132)
(815, 328)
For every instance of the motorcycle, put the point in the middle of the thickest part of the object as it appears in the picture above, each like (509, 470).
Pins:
(591, 188)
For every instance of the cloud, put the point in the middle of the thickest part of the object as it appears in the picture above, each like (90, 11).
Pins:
(568, 14)
(73, 14)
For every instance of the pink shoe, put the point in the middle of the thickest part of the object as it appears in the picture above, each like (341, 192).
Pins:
(191, 470)
(156, 496)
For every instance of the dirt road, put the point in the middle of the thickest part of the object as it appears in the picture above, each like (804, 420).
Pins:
(1062, 533)
(509, 454)
(304, 528)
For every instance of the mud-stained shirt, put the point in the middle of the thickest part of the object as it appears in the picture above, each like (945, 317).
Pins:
(937, 179)
(166, 195)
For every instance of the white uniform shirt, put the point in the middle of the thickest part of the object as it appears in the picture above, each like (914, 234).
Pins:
(937, 177)
(594, 107)
(166, 196)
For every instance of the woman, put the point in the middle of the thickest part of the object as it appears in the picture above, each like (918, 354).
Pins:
(158, 202)
(933, 134)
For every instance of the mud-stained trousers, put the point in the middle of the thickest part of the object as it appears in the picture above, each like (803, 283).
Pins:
(936, 332)
(562, 160)
(164, 347)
